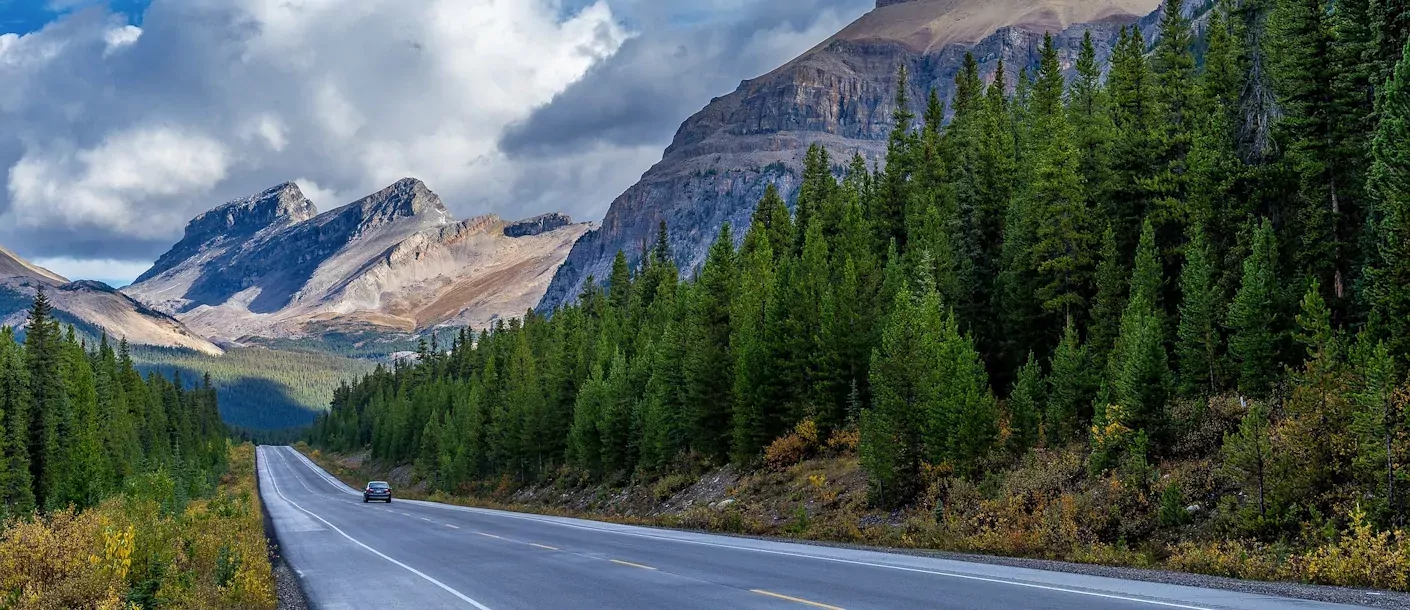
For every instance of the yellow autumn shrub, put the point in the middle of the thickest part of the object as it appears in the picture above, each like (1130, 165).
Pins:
(211, 555)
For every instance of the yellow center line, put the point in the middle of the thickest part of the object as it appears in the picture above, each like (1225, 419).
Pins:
(491, 536)
(628, 563)
(794, 599)
(543, 546)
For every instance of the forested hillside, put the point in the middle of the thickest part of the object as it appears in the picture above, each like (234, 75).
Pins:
(258, 388)
(78, 422)
(1191, 272)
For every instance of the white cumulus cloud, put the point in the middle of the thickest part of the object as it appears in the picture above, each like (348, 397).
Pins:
(113, 136)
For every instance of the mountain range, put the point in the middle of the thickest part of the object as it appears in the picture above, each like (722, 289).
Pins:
(271, 266)
(840, 94)
(92, 307)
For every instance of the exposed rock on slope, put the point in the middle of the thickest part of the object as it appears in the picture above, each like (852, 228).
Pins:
(270, 266)
(94, 306)
(839, 94)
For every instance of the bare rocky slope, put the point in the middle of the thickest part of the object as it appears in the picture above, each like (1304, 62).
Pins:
(840, 94)
(93, 307)
(395, 261)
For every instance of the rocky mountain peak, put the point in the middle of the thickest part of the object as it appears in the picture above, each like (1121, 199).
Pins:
(537, 225)
(406, 198)
(237, 220)
(284, 204)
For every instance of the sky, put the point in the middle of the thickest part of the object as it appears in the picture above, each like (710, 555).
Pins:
(120, 120)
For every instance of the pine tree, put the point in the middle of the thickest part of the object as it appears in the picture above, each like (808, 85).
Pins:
(1025, 406)
(893, 193)
(49, 403)
(16, 484)
(1113, 283)
(1198, 341)
(1134, 113)
(1323, 202)
(1380, 427)
(894, 429)
(1065, 235)
(1089, 113)
(966, 407)
(709, 363)
(771, 215)
(753, 369)
(1248, 455)
(1217, 203)
(1389, 186)
(1070, 391)
(1252, 321)
(1139, 368)
(1173, 69)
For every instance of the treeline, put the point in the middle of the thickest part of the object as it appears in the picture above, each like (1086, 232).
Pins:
(1107, 253)
(78, 421)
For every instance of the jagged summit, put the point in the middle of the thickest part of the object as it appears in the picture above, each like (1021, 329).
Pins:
(395, 259)
(240, 219)
(407, 198)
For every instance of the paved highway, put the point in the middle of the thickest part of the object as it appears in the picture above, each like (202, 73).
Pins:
(424, 555)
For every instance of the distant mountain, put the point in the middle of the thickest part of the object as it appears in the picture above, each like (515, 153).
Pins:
(841, 94)
(271, 266)
(92, 307)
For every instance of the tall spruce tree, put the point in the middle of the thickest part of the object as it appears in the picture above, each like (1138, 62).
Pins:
(1062, 253)
(710, 362)
(1197, 337)
(1253, 317)
(1389, 186)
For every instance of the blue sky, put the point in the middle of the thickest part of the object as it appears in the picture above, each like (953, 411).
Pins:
(25, 16)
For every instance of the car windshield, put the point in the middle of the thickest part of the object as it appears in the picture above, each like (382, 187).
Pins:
(377, 485)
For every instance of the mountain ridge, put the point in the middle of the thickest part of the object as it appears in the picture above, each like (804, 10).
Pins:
(98, 307)
(395, 260)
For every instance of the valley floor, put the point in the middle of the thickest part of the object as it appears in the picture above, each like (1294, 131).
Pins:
(823, 501)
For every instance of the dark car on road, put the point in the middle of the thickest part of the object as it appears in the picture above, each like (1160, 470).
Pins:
(377, 490)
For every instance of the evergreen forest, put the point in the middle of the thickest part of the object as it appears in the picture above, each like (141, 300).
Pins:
(79, 423)
(1197, 252)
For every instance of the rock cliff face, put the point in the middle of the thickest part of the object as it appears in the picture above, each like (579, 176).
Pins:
(271, 266)
(94, 307)
(840, 94)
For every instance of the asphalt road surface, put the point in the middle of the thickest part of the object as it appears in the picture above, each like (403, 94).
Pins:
(423, 555)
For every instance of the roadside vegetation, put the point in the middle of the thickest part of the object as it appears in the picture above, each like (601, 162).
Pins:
(1156, 318)
(119, 491)
(147, 547)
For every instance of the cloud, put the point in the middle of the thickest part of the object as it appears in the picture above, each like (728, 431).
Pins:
(635, 100)
(99, 187)
(113, 135)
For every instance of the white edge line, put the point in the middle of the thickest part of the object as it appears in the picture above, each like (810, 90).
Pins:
(408, 568)
(1139, 600)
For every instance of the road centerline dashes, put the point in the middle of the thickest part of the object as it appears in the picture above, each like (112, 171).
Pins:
(796, 600)
(544, 546)
(628, 563)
